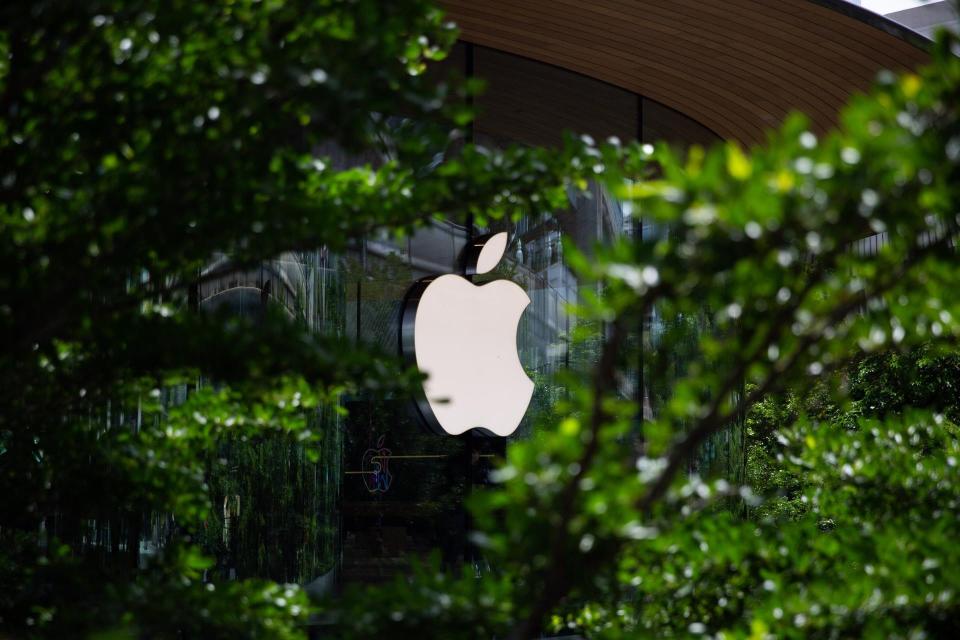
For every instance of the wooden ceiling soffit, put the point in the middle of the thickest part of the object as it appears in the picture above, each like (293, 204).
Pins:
(736, 66)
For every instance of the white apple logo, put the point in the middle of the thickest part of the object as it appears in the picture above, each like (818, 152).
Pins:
(464, 338)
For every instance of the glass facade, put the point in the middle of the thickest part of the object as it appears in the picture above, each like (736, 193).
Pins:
(386, 491)
(275, 510)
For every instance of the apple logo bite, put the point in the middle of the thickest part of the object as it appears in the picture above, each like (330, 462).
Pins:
(464, 338)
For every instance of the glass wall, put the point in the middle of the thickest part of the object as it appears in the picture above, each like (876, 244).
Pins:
(386, 491)
(276, 510)
(403, 487)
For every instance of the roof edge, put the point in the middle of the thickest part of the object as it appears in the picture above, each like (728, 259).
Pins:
(877, 21)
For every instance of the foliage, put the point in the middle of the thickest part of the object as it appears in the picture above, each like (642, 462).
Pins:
(137, 139)
(881, 384)
(870, 556)
(888, 382)
(586, 535)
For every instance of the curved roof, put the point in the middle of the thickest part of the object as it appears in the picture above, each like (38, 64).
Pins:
(736, 66)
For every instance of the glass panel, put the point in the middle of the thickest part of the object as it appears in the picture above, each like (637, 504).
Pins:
(661, 123)
(403, 486)
(534, 103)
(275, 511)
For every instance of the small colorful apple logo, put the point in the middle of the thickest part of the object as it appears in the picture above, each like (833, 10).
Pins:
(376, 468)
(464, 338)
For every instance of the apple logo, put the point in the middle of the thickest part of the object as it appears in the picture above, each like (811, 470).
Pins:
(464, 338)
(375, 468)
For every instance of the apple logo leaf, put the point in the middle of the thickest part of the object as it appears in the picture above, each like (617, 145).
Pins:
(483, 254)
